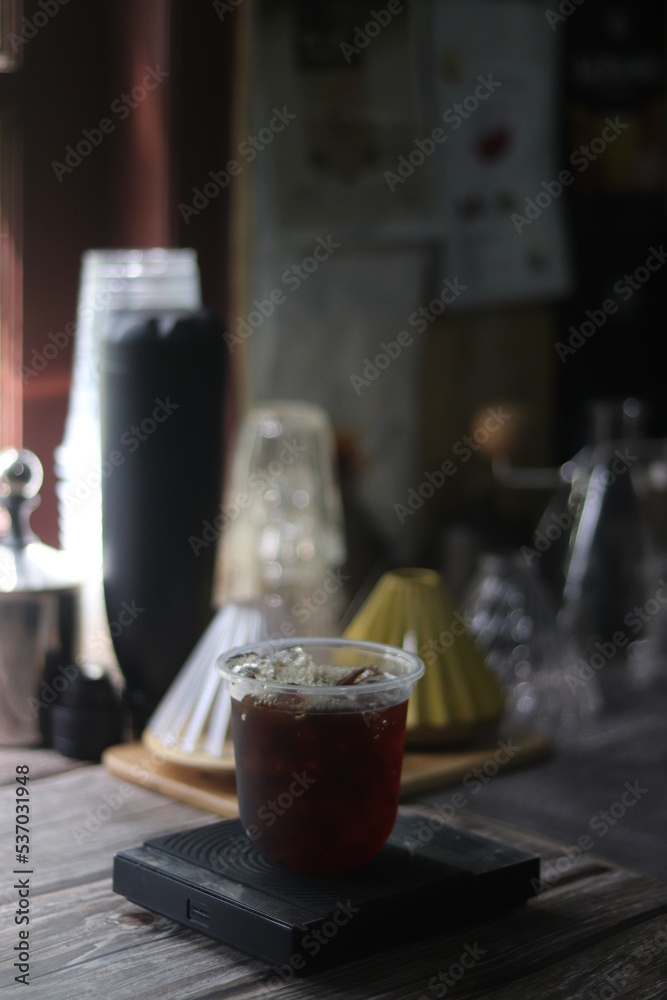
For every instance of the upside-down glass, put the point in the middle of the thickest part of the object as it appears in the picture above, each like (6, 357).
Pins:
(284, 520)
(318, 766)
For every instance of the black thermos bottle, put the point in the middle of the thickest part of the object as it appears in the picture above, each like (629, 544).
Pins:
(162, 380)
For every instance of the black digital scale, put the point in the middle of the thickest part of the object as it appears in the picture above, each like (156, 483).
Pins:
(216, 881)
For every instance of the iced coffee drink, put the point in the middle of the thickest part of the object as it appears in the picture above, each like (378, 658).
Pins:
(318, 730)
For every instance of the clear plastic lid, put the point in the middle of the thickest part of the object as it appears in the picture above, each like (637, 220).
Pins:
(321, 674)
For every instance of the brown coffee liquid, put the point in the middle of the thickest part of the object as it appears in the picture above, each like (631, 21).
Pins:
(318, 791)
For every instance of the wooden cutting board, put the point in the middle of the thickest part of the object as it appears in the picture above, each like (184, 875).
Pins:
(422, 772)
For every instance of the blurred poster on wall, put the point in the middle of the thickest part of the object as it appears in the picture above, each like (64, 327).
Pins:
(338, 257)
(498, 177)
(349, 79)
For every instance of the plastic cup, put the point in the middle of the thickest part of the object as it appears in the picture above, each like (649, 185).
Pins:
(318, 765)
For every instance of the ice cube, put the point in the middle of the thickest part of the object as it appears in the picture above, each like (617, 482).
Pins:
(294, 665)
(246, 665)
(361, 675)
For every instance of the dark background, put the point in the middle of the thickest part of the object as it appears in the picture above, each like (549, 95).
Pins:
(127, 191)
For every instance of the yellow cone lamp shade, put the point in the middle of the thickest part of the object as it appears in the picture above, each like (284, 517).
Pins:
(459, 697)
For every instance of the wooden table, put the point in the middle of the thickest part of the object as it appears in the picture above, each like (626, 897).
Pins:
(595, 931)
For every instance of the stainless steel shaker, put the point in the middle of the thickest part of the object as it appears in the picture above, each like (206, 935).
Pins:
(39, 606)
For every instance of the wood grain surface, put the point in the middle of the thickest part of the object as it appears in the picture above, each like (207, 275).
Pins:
(594, 926)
